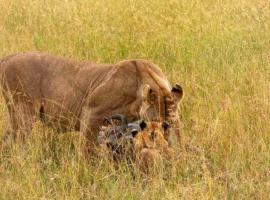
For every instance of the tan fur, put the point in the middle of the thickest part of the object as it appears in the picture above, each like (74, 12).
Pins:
(72, 95)
(150, 146)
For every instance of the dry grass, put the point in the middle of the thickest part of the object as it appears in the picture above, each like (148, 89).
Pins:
(218, 50)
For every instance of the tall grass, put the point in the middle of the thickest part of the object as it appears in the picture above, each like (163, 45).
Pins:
(218, 50)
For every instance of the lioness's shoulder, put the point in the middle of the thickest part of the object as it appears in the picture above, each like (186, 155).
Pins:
(142, 65)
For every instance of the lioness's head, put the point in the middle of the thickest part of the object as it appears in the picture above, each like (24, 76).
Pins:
(161, 106)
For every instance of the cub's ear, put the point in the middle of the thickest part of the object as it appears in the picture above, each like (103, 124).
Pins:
(148, 94)
(165, 125)
(177, 92)
(142, 124)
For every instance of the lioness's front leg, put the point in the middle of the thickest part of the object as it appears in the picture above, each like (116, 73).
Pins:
(89, 123)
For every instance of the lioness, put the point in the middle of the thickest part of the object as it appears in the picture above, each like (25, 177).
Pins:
(75, 95)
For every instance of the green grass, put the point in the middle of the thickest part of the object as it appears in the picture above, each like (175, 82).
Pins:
(219, 51)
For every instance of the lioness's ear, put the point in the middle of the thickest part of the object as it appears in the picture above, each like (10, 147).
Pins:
(148, 94)
(165, 125)
(177, 92)
(142, 124)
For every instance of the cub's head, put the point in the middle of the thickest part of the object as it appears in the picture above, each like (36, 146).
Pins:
(150, 145)
(151, 135)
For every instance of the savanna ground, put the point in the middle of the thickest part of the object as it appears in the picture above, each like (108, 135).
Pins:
(218, 50)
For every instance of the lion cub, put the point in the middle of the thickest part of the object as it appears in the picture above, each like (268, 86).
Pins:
(140, 141)
(150, 146)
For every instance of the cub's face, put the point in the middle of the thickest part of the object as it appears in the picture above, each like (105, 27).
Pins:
(150, 145)
(151, 136)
